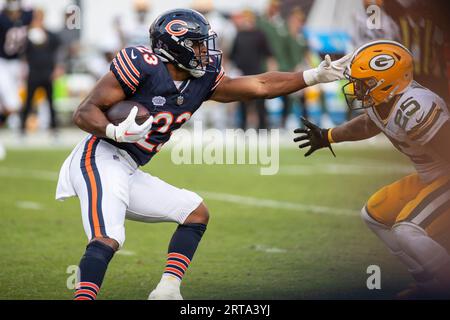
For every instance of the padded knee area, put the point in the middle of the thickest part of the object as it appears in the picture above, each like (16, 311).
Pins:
(415, 242)
(382, 231)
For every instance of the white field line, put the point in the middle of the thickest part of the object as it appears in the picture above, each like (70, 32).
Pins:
(345, 169)
(275, 204)
(32, 174)
(301, 170)
(29, 205)
(124, 252)
(266, 249)
(224, 197)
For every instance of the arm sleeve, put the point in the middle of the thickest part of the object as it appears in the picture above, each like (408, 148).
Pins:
(126, 67)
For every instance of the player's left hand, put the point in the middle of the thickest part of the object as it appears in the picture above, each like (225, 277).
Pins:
(327, 71)
(313, 136)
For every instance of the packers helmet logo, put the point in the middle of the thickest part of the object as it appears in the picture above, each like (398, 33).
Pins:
(177, 27)
(381, 62)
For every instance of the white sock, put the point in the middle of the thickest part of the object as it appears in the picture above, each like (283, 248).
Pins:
(170, 280)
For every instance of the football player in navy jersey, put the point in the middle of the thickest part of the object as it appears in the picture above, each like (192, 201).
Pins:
(172, 79)
(14, 22)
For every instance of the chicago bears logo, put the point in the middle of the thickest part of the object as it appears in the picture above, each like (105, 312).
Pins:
(177, 27)
(381, 62)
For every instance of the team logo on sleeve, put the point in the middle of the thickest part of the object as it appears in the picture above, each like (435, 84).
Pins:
(381, 62)
(177, 27)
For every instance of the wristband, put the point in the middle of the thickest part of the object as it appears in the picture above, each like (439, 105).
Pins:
(330, 137)
(111, 131)
(309, 76)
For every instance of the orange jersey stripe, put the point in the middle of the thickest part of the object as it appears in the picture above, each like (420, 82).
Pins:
(130, 63)
(219, 79)
(222, 71)
(123, 77)
(125, 68)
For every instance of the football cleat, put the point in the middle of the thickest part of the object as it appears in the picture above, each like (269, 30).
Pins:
(166, 290)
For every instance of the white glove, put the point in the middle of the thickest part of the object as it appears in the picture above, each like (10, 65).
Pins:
(327, 71)
(128, 130)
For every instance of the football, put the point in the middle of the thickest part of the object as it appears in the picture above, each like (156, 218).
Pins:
(120, 111)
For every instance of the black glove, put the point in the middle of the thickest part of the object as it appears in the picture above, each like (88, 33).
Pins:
(314, 136)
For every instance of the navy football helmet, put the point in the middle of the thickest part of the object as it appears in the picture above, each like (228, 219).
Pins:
(184, 38)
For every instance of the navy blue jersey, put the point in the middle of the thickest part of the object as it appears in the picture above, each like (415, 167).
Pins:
(145, 79)
(13, 34)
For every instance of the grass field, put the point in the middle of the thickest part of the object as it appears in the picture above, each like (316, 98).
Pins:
(294, 235)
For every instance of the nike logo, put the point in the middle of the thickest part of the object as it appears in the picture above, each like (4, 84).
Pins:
(131, 133)
(133, 56)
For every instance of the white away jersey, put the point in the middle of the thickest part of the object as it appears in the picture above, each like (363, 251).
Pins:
(414, 120)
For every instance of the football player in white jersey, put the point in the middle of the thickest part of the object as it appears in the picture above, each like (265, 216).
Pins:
(412, 215)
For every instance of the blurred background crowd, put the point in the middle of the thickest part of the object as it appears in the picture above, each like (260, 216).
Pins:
(53, 52)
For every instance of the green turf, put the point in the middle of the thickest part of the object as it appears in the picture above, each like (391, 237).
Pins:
(309, 255)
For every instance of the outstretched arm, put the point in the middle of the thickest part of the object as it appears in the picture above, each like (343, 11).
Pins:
(273, 84)
(266, 86)
(359, 128)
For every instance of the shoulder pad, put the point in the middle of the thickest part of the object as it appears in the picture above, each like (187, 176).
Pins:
(132, 66)
(426, 113)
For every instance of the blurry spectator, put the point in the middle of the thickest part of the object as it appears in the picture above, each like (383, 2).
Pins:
(286, 42)
(215, 112)
(225, 29)
(14, 21)
(424, 27)
(70, 49)
(250, 53)
(362, 33)
(136, 31)
(98, 63)
(297, 44)
(40, 55)
(296, 51)
(275, 29)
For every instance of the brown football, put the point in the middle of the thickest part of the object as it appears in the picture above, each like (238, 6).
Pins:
(120, 111)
